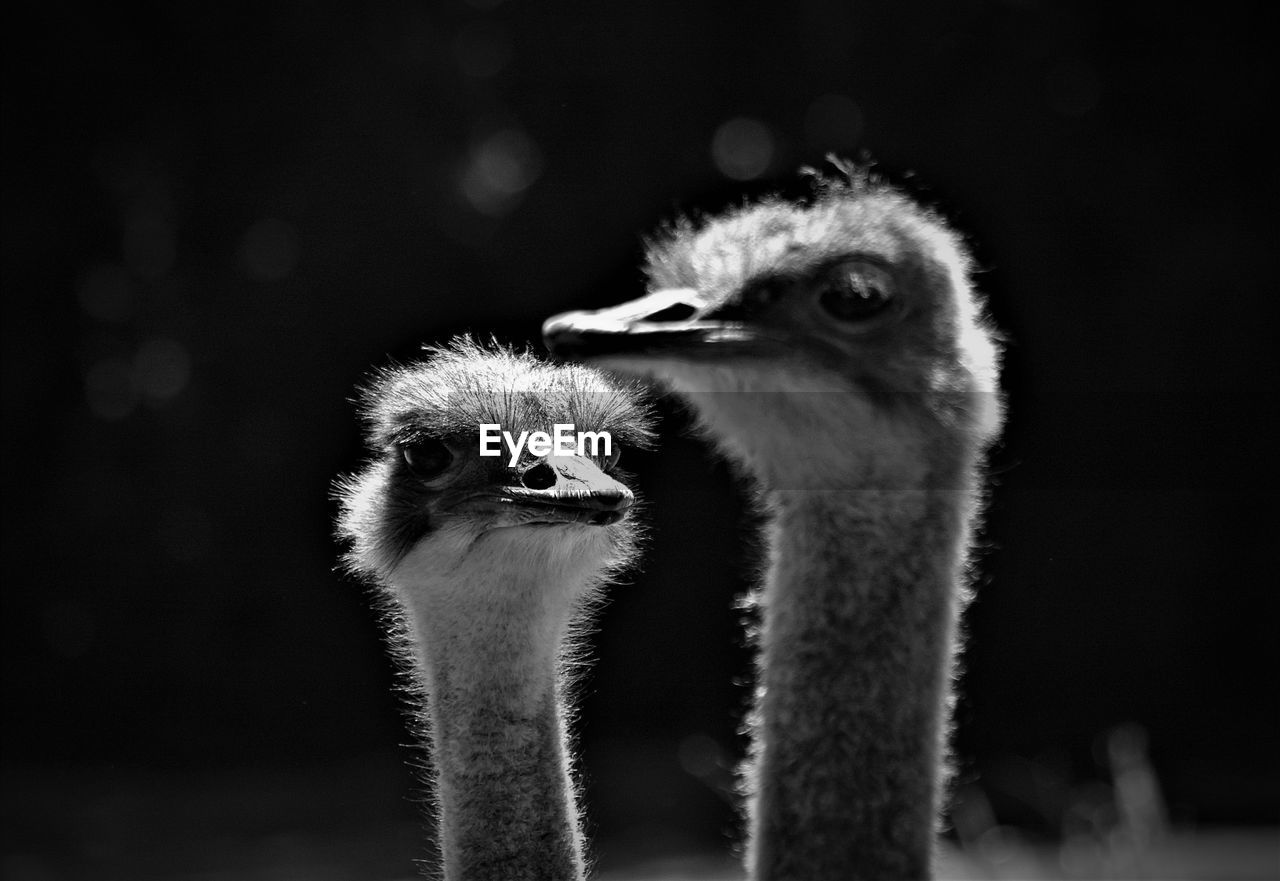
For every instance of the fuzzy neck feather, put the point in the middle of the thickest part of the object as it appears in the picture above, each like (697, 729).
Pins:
(858, 616)
(869, 510)
(488, 624)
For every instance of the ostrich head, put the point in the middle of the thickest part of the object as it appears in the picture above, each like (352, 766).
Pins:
(801, 331)
(429, 504)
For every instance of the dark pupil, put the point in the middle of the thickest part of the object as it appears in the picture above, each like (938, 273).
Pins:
(426, 458)
(854, 297)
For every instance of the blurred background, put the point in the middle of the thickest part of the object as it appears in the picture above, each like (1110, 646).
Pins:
(218, 217)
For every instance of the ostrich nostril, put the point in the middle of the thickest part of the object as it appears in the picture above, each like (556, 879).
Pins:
(675, 312)
(540, 476)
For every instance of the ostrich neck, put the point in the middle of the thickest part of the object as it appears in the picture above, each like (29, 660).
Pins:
(859, 615)
(507, 805)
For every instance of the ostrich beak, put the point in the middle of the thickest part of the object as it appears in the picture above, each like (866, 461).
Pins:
(567, 489)
(662, 322)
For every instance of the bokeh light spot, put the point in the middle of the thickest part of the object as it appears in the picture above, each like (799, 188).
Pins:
(500, 168)
(269, 250)
(162, 368)
(701, 756)
(833, 122)
(106, 292)
(742, 148)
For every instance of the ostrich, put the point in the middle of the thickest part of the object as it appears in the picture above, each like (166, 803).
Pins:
(835, 350)
(485, 566)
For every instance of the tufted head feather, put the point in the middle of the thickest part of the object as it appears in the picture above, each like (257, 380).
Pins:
(463, 384)
(471, 503)
(848, 316)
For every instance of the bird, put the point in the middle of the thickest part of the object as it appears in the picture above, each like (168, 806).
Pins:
(833, 349)
(486, 568)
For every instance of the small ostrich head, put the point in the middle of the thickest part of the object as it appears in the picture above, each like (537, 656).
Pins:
(801, 331)
(430, 505)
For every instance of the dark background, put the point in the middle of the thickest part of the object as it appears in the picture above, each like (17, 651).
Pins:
(217, 217)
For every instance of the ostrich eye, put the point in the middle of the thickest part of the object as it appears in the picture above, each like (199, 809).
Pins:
(611, 460)
(856, 293)
(427, 458)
